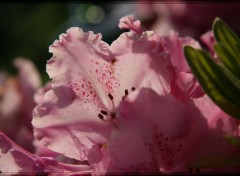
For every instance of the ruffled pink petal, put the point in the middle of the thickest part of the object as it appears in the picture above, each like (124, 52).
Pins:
(141, 61)
(174, 44)
(14, 160)
(183, 84)
(82, 86)
(128, 22)
(80, 61)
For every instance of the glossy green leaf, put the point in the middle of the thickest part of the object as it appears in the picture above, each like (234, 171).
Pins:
(229, 58)
(223, 33)
(214, 81)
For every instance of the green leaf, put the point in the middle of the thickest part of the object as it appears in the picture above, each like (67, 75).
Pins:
(228, 46)
(223, 33)
(214, 81)
(229, 58)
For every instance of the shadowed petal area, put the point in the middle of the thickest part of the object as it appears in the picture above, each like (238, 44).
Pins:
(164, 130)
(170, 136)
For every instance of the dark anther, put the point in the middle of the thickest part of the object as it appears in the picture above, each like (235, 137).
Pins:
(114, 60)
(133, 88)
(126, 92)
(104, 112)
(110, 96)
(100, 116)
(113, 115)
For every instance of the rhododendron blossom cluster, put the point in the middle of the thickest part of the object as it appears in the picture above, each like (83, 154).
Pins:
(130, 107)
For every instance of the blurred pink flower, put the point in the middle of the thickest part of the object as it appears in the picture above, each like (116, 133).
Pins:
(17, 103)
(188, 18)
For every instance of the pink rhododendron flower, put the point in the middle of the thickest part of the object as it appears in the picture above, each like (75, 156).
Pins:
(89, 79)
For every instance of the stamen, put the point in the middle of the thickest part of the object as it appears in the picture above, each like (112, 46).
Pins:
(110, 96)
(114, 60)
(113, 115)
(133, 88)
(100, 116)
(126, 92)
(104, 112)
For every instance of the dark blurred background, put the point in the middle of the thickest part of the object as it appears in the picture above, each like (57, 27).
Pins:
(27, 30)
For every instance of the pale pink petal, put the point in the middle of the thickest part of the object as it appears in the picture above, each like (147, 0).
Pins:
(82, 80)
(67, 126)
(14, 160)
(174, 44)
(80, 61)
(128, 22)
(141, 62)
